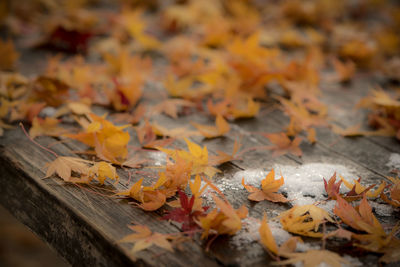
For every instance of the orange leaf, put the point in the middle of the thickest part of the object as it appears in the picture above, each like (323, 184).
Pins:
(283, 144)
(269, 187)
(145, 238)
(221, 128)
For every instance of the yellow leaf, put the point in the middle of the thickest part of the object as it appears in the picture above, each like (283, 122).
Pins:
(314, 258)
(221, 128)
(64, 166)
(267, 240)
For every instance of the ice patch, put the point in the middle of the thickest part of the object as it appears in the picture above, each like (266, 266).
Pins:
(394, 161)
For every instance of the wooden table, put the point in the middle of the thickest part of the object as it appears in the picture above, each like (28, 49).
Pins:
(85, 228)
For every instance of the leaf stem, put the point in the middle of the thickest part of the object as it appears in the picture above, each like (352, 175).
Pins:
(36, 143)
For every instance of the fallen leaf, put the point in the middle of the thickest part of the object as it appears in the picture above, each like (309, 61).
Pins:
(224, 220)
(64, 166)
(331, 187)
(145, 238)
(8, 55)
(48, 126)
(314, 258)
(266, 238)
(283, 144)
(196, 156)
(221, 128)
(304, 220)
(269, 187)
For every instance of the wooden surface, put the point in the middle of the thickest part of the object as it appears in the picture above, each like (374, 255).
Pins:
(85, 228)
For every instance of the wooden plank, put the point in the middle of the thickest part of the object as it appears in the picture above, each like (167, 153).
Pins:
(85, 228)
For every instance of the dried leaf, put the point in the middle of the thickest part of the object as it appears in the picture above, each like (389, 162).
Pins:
(314, 258)
(269, 187)
(221, 128)
(145, 238)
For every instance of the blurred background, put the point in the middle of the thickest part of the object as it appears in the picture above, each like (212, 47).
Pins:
(20, 247)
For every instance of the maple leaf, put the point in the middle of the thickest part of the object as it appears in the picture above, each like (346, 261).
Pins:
(64, 166)
(349, 131)
(132, 118)
(248, 110)
(359, 189)
(394, 193)
(127, 93)
(266, 238)
(183, 88)
(283, 144)
(48, 126)
(177, 174)
(391, 252)
(301, 118)
(171, 107)
(344, 70)
(109, 140)
(196, 156)
(148, 138)
(185, 214)
(304, 220)
(77, 108)
(364, 220)
(102, 170)
(145, 238)
(66, 34)
(224, 220)
(136, 27)
(150, 197)
(221, 128)
(50, 90)
(134, 162)
(175, 133)
(384, 113)
(77, 170)
(331, 187)
(340, 233)
(223, 157)
(313, 258)
(269, 187)
(8, 55)
(358, 50)
(268, 241)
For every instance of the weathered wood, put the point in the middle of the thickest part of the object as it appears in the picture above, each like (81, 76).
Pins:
(85, 227)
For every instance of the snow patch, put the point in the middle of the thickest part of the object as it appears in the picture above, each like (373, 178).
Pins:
(394, 161)
(353, 261)
(303, 184)
(381, 209)
(248, 234)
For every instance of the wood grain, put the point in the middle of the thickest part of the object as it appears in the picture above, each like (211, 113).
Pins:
(85, 227)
